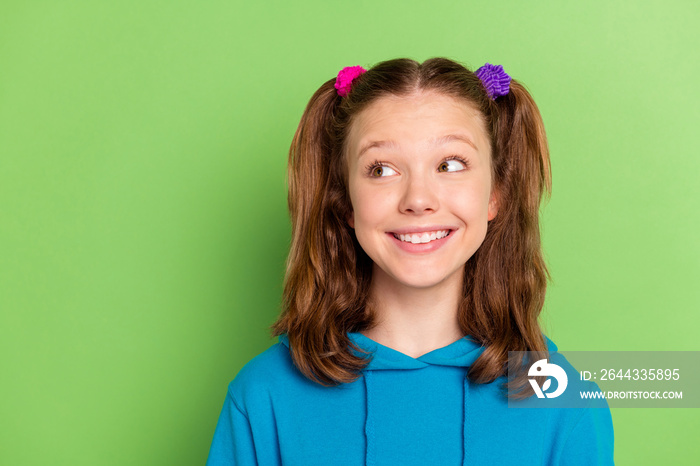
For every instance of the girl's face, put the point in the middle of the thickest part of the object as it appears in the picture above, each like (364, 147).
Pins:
(419, 179)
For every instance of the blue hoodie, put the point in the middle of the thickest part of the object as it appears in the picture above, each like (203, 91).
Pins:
(402, 411)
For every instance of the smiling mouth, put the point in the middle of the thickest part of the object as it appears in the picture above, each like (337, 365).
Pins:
(425, 237)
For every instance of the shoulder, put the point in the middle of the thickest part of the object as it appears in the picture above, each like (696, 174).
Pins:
(575, 383)
(564, 383)
(268, 372)
(584, 424)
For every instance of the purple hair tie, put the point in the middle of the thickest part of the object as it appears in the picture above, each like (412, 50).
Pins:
(343, 82)
(495, 80)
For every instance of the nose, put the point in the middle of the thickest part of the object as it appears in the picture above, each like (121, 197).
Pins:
(419, 196)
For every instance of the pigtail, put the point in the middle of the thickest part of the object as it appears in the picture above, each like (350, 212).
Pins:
(507, 278)
(318, 307)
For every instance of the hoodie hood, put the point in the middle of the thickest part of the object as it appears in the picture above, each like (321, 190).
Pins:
(461, 353)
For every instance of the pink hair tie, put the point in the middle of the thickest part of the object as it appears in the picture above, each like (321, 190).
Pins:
(343, 82)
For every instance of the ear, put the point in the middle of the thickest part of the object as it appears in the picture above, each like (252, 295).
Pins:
(493, 205)
(351, 219)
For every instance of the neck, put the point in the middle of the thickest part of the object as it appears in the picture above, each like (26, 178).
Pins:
(412, 320)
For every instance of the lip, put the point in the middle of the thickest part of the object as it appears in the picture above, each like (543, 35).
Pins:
(421, 248)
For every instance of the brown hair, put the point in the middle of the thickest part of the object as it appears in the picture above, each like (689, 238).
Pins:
(328, 274)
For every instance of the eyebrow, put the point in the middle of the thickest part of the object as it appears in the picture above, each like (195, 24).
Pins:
(435, 142)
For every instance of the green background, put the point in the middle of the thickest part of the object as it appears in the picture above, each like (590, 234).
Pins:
(143, 222)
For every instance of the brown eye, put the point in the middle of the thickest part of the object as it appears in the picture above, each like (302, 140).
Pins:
(452, 165)
(380, 171)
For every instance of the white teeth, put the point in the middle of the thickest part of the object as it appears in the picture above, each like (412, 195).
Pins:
(426, 237)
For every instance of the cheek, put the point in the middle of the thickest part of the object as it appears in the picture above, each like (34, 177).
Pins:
(471, 199)
(368, 210)
(361, 200)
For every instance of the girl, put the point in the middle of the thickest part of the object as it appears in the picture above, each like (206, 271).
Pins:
(415, 267)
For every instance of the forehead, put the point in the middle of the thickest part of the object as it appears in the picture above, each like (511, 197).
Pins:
(420, 116)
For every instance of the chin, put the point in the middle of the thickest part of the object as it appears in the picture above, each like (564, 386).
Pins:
(421, 280)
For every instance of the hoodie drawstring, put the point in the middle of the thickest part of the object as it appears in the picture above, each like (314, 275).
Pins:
(369, 421)
(465, 430)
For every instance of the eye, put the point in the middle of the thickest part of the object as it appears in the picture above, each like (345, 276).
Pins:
(377, 170)
(453, 164)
